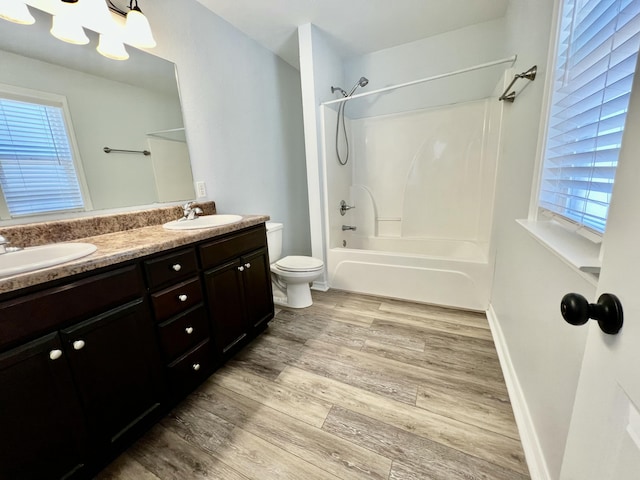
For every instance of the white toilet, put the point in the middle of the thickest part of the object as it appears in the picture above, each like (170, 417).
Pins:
(290, 275)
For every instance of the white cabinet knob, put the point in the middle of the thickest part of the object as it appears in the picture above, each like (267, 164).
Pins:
(55, 354)
(195, 366)
(182, 298)
(241, 268)
(189, 330)
(247, 265)
(177, 267)
(78, 345)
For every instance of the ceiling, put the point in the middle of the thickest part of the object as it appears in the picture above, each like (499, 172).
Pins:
(357, 27)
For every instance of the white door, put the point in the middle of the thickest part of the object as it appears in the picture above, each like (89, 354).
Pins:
(604, 436)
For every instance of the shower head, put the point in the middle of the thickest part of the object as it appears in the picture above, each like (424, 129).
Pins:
(360, 83)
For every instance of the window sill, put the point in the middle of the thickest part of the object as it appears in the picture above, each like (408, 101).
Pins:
(581, 254)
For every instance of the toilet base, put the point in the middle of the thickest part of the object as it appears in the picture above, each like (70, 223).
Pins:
(298, 295)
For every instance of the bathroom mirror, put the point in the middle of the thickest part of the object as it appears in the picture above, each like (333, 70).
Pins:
(127, 105)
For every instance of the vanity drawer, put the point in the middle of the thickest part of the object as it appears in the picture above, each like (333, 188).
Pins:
(191, 368)
(183, 332)
(219, 251)
(43, 311)
(171, 268)
(176, 299)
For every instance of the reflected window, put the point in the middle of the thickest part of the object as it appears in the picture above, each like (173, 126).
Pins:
(38, 172)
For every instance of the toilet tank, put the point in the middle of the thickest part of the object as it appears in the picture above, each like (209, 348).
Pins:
(274, 240)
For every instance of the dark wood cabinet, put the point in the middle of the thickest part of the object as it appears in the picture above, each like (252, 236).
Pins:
(117, 370)
(238, 288)
(224, 289)
(257, 288)
(42, 430)
(88, 363)
(81, 391)
(182, 327)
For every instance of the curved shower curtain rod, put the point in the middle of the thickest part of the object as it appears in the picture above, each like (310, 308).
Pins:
(511, 60)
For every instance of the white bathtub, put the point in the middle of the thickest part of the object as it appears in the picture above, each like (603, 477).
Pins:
(452, 273)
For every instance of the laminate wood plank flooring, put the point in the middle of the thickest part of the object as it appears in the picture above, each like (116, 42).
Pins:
(353, 387)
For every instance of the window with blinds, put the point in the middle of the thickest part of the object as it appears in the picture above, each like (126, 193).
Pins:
(37, 171)
(596, 58)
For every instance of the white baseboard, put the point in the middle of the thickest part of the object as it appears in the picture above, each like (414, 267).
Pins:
(530, 443)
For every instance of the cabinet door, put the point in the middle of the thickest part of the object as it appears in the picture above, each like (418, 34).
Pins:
(41, 424)
(116, 365)
(257, 288)
(224, 292)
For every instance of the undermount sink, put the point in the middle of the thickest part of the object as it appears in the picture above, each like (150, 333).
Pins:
(205, 221)
(35, 258)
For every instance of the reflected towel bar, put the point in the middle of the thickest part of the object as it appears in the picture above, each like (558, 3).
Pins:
(529, 75)
(109, 150)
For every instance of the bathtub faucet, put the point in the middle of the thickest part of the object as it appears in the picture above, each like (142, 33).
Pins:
(344, 207)
(348, 227)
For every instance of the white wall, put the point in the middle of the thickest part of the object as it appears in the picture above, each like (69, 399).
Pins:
(529, 280)
(320, 68)
(243, 116)
(451, 51)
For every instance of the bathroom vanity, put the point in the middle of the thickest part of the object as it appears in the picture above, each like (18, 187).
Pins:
(94, 356)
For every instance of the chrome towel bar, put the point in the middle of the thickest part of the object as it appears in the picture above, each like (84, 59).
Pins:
(109, 150)
(529, 75)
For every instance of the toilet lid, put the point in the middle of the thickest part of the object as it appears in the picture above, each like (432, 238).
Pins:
(295, 263)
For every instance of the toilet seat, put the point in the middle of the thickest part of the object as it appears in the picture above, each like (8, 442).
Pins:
(296, 263)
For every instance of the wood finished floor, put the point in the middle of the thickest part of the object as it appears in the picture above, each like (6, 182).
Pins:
(353, 387)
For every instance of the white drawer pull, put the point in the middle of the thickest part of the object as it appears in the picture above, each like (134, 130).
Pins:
(177, 267)
(55, 354)
(247, 265)
(241, 268)
(78, 345)
(189, 330)
(182, 298)
(195, 366)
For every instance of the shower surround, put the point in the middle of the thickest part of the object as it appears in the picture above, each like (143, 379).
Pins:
(422, 183)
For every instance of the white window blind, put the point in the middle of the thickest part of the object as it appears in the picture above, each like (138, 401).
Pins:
(37, 172)
(596, 59)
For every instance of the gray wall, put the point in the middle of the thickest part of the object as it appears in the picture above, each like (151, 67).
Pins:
(529, 279)
(243, 115)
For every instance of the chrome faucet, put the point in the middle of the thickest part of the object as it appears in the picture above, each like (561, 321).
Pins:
(344, 207)
(190, 211)
(348, 227)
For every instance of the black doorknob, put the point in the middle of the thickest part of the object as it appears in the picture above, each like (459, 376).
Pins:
(576, 310)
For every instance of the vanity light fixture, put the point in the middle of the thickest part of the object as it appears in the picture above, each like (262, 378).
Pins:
(137, 31)
(66, 24)
(71, 16)
(110, 43)
(16, 11)
(112, 47)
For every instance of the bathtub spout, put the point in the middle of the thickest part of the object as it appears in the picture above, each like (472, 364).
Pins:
(348, 227)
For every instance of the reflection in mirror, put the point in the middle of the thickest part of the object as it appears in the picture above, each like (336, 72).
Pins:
(130, 105)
